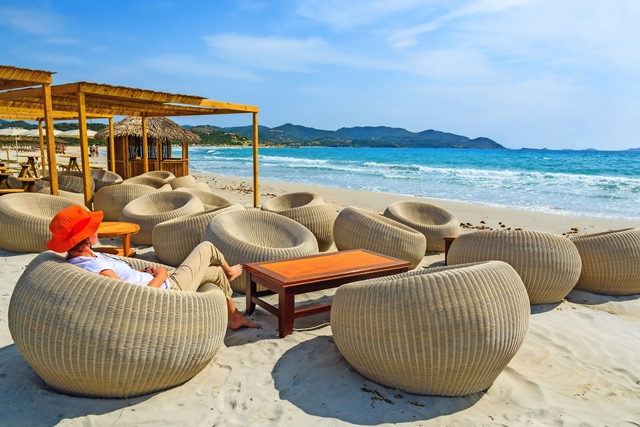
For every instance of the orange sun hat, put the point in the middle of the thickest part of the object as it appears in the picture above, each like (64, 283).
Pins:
(72, 225)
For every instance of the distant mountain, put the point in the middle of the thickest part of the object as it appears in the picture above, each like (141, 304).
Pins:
(366, 136)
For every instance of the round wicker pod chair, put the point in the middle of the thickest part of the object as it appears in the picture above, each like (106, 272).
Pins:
(446, 331)
(95, 336)
(173, 240)
(104, 178)
(157, 183)
(113, 198)
(610, 262)
(432, 221)
(357, 228)
(166, 175)
(202, 186)
(245, 236)
(182, 181)
(148, 211)
(42, 187)
(71, 182)
(548, 264)
(208, 199)
(25, 218)
(309, 210)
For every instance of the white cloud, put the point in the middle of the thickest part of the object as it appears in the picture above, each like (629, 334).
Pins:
(351, 13)
(34, 21)
(183, 65)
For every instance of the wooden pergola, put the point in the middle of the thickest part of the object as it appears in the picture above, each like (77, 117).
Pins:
(84, 100)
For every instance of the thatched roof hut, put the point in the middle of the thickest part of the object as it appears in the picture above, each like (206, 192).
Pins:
(162, 133)
(157, 127)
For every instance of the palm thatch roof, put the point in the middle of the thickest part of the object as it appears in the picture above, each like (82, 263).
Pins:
(157, 127)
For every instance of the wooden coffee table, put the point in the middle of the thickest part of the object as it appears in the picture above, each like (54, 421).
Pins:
(294, 276)
(118, 229)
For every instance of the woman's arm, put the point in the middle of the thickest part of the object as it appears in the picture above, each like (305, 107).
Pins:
(159, 276)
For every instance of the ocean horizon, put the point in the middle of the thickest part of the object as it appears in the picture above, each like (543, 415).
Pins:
(583, 183)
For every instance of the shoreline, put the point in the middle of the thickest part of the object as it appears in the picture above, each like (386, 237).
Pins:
(236, 188)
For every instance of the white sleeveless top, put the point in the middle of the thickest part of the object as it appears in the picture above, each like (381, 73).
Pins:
(126, 273)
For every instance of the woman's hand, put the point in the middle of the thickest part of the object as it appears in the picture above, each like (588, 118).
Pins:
(159, 276)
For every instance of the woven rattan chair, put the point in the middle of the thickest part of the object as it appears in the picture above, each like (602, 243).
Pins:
(432, 221)
(25, 218)
(166, 175)
(309, 210)
(357, 228)
(446, 331)
(104, 178)
(94, 336)
(71, 182)
(182, 181)
(112, 199)
(254, 236)
(202, 186)
(549, 265)
(148, 211)
(208, 199)
(174, 240)
(610, 262)
(157, 183)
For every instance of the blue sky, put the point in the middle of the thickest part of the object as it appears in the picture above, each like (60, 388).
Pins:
(526, 73)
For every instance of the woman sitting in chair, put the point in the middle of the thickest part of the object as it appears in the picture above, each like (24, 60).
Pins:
(75, 230)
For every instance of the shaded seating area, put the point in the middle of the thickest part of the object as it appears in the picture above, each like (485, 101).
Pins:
(446, 331)
(432, 221)
(25, 218)
(356, 228)
(610, 262)
(155, 338)
(548, 264)
(245, 236)
(308, 209)
(150, 210)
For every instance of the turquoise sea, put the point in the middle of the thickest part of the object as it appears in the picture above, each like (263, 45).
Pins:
(604, 184)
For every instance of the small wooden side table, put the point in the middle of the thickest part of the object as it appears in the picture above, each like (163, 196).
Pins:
(118, 229)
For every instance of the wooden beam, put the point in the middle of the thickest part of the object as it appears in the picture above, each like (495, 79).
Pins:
(43, 161)
(35, 92)
(84, 149)
(229, 106)
(145, 153)
(256, 195)
(51, 145)
(111, 147)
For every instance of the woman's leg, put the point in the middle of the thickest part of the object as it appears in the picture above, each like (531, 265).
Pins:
(190, 274)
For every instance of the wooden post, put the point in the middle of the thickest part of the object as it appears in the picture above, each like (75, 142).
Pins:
(51, 142)
(43, 161)
(256, 196)
(111, 147)
(84, 149)
(145, 149)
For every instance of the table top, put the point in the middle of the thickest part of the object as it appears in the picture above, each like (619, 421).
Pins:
(314, 268)
(115, 229)
(30, 155)
(70, 156)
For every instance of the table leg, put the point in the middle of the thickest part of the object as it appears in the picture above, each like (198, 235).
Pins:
(250, 291)
(286, 308)
(126, 244)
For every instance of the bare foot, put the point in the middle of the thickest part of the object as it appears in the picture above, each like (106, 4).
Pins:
(233, 271)
(237, 320)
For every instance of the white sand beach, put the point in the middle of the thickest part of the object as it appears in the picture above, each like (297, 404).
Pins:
(579, 364)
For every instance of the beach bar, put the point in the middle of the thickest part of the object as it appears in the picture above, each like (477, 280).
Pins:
(84, 100)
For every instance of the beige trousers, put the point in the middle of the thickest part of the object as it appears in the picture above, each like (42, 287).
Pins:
(200, 267)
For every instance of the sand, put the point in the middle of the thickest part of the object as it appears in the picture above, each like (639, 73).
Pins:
(579, 364)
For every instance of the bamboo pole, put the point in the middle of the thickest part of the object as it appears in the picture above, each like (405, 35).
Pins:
(51, 142)
(111, 147)
(84, 149)
(43, 161)
(145, 153)
(256, 196)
